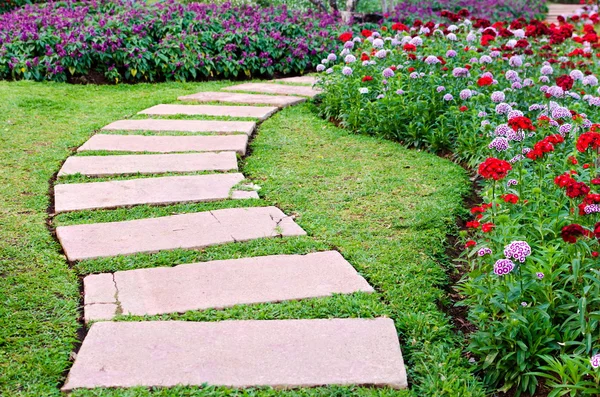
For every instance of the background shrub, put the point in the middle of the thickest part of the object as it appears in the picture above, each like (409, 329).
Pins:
(132, 41)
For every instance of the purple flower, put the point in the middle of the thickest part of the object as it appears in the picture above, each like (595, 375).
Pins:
(511, 75)
(515, 61)
(560, 112)
(518, 250)
(432, 60)
(556, 91)
(346, 71)
(466, 94)
(499, 143)
(320, 67)
(576, 75)
(539, 275)
(512, 182)
(350, 58)
(448, 97)
(546, 70)
(503, 108)
(460, 72)
(595, 361)
(498, 96)
(590, 80)
(484, 251)
(451, 54)
(387, 73)
(440, 88)
(591, 209)
(503, 267)
(564, 129)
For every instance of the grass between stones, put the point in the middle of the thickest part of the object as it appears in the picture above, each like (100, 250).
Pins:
(385, 208)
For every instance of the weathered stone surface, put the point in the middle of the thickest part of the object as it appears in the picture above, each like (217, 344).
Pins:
(277, 353)
(99, 288)
(162, 190)
(195, 230)
(309, 80)
(166, 144)
(259, 112)
(100, 312)
(248, 99)
(242, 194)
(148, 164)
(270, 88)
(220, 284)
(164, 125)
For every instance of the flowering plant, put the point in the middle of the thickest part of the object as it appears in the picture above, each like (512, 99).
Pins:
(516, 101)
(135, 41)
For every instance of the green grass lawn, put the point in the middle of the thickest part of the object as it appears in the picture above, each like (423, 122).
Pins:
(385, 208)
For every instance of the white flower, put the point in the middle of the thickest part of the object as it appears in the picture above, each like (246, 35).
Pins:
(363, 90)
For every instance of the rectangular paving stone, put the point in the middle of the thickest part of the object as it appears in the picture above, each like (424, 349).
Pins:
(309, 80)
(148, 164)
(166, 125)
(226, 283)
(247, 99)
(270, 88)
(166, 144)
(239, 354)
(259, 112)
(161, 190)
(189, 231)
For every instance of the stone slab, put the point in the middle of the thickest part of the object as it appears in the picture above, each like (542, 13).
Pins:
(162, 190)
(270, 88)
(309, 80)
(243, 194)
(276, 353)
(148, 164)
(188, 231)
(247, 99)
(259, 112)
(167, 125)
(166, 144)
(226, 283)
(100, 312)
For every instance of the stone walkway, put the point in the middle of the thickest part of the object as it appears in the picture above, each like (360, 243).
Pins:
(556, 10)
(278, 353)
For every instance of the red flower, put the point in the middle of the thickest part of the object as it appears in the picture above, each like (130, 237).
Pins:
(544, 146)
(470, 243)
(477, 210)
(483, 81)
(493, 168)
(565, 82)
(588, 139)
(400, 27)
(571, 233)
(573, 160)
(409, 47)
(510, 198)
(564, 180)
(577, 189)
(596, 181)
(521, 123)
(473, 224)
(367, 78)
(346, 36)
(463, 108)
(366, 33)
(487, 227)
(365, 57)
(595, 253)
(411, 69)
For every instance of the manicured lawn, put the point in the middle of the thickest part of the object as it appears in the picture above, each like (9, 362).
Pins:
(385, 208)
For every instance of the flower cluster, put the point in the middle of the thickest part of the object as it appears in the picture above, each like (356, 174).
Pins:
(493, 168)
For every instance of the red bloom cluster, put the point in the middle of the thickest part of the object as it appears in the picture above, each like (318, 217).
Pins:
(572, 232)
(493, 168)
(367, 78)
(565, 82)
(473, 224)
(588, 139)
(409, 47)
(510, 198)
(596, 234)
(544, 146)
(487, 227)
(366, 33)
(400, 27)
(521, 123)
(346, 36)
(564, 180)
(483, 81)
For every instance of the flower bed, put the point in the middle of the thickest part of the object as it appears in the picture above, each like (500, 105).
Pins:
(136, 42)
(517, 103)
(495, 10)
